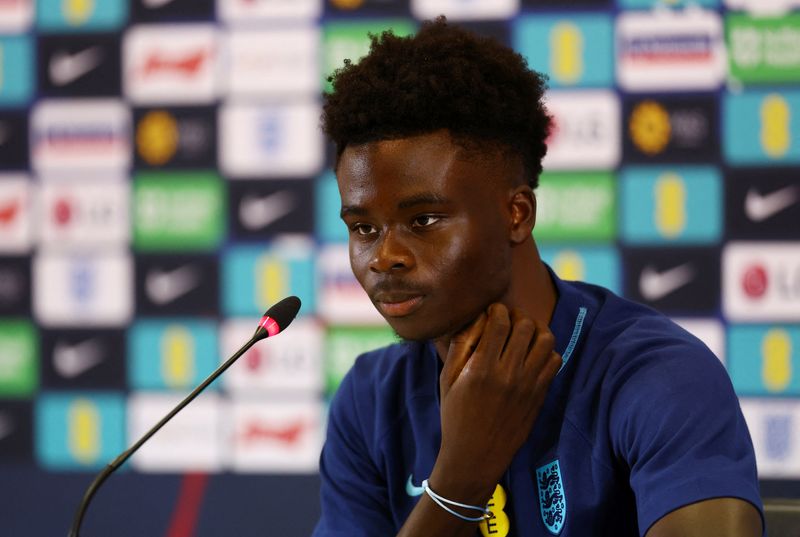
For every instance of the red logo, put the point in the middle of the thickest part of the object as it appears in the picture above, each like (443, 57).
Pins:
(755, 281)
(189, 65)
(9, 211)
(286, 435)
(62, 211)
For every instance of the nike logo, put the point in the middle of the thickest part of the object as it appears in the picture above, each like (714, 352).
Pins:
(6, 426)
(156, 4)
(66, 68)
(256, 213)
(163, 287)
(411, 489)
(71, 361)
(655, 285)
(759, 207)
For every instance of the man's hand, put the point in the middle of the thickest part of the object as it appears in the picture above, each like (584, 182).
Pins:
(493, 384)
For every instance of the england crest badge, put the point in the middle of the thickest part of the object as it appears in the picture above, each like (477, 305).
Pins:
(552, 502)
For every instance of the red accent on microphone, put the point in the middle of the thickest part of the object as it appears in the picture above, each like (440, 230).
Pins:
(269, 324)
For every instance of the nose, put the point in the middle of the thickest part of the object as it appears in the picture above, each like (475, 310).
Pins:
(391, 254)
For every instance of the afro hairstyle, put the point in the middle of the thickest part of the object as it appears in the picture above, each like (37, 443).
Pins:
(443, 77)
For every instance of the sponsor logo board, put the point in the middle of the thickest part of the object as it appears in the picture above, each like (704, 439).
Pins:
(761, 281)
(276, 436)
(599, 265)
(341, 297)
(16, 16)
(460, 10)
(80, 135)
(171, 354)
(15, 286)
(262, 209)
(278, 62)
(576, 207)
(764, 360)
(250, 11)
(286, 365)
(343, 344)
(80, 16)
(171, 63)
(16, 431)
(79, 65)
(178, 211)
(763, 7)
(86, 214)
(161, 10)
(774, 426)
(190, 441)
(670, 50)
(676, 204)
(329, 226)
(763, 49)
(177, 285)
(15, 213)
(761, 127)
(17, 83)
(586, 130)
(79, 431)
(573, 50)
(14, 139)
(762, 203)
(675, 281)
(270, 140)
(82, 290)
(19, 359)
(256, 277)
(670, 129)
(183, 137)
(85, 359)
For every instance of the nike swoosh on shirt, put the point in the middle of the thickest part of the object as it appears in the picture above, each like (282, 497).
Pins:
(411, 489)
(654, 285)
(66, 68)
(256, 213)
(163, 287)
(71, 361)
(759, 207)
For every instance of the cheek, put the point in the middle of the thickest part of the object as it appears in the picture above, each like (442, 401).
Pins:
(475, 260)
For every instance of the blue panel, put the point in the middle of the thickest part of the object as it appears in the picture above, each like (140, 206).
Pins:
(330, 227)
(761, 127)
(81, 15)
(764, 360)
(599, 265)
(16, 70)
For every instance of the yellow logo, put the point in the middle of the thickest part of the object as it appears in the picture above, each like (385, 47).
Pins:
(566, 53)
(569, 265)
(670, 202)
(272, 280)
(177, 357)
(776, 364)
(775, 120)
(347, 4)
(650, 127)
(498, 525)
(77, 12)
(83, 421)
(157, 137)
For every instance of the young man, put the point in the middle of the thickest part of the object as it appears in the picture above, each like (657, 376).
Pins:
(567, 409)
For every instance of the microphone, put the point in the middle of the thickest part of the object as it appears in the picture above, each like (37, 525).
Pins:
(274, 321)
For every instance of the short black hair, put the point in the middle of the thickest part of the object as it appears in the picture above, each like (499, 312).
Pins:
(444, 77)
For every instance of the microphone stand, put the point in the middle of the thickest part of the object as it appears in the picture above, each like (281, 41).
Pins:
(125, 455)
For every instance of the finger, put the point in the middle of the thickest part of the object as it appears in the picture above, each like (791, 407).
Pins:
(539, 353)
(493, 339)
(462, 345)
(523, 331)
(551, 368)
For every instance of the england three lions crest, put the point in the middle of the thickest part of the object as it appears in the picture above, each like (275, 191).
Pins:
(552, 502)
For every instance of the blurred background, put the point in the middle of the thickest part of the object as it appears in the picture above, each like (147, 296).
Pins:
(163, 180)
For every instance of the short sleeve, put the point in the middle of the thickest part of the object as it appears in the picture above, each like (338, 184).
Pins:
(353, 494)
(678, 425)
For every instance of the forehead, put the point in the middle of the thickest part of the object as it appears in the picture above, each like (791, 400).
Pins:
(418, 164)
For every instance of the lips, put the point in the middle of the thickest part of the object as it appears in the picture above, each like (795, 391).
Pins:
(397, 304)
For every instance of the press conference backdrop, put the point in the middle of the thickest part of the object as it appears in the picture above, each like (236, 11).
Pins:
(163, 180)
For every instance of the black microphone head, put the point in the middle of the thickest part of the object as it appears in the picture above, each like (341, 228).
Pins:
(278, 317)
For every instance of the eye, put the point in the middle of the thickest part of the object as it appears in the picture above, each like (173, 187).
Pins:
(362, 229)
(426, 220)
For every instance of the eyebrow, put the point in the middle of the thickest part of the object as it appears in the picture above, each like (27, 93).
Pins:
(406, 203)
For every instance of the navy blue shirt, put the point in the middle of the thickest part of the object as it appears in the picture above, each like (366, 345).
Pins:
(641, 420)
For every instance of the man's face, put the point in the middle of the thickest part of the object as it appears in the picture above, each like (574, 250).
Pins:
(429, 230)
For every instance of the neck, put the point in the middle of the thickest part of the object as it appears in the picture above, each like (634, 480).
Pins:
(531, 290)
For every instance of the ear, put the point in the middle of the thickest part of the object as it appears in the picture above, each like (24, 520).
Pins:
(522, 205)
